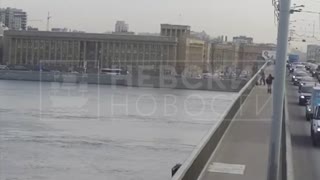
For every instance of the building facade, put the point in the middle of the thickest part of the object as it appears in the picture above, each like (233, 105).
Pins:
(242, 39)
(181, 32)
(14, 19)
(121, 27)
(61, 50)
(249, 54)
(192, 53)
(223, 55)
(171, 30)
(236, 56)
(195, 57)
(313, 53)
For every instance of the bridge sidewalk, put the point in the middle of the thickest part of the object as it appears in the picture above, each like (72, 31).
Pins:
(243, 151)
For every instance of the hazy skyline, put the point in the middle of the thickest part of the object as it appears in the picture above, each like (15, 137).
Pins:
(229, 17)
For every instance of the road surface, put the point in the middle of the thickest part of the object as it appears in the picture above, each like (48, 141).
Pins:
(306, 158)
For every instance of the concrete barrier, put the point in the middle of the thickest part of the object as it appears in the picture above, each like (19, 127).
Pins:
(193, 166)
(286, 154)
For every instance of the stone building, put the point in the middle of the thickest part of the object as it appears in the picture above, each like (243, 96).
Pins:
(223, 55)
(60, 50)
(242, 40)
(250, 53)
(236, 56)
(192, 53)
(195, 57)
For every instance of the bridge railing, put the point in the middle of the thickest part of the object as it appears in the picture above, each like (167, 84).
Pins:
(286, 164)
(194, 165)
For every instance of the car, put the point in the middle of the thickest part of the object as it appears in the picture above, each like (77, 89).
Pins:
(296, 77)
(315, 126)
(296, 63)
(297, 74)
(313, 103)
(308, 66)
(307, 81)
(317, 76)
(313, 69)
(308, 84)
(305, 95)
(299, 67)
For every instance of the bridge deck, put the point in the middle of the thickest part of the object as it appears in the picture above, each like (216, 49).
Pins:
(243, 151)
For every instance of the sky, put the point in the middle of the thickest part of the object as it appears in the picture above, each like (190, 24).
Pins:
(216, 17)
(306, 26)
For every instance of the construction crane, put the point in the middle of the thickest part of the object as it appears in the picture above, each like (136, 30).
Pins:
(48, 21)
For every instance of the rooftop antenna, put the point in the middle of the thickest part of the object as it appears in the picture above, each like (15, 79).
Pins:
(48, 21)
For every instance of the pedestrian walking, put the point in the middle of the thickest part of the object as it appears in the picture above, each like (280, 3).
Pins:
(262, 78)
(269, 81)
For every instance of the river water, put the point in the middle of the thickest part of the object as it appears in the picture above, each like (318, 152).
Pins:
(51, 131)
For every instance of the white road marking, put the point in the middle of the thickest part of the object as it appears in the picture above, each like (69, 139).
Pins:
(227, 168)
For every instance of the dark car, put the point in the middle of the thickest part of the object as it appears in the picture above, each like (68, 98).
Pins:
(298, 74)
(317, 76)
(313, 70)
(308, 84)
(296, 78)
(315, 127)
(308, 67)
(305, 95)
(307, 81)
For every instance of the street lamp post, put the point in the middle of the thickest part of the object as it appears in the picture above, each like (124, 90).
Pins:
(278, 95)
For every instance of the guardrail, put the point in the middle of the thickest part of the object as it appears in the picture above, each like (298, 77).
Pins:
(286, 166)
(193, 166)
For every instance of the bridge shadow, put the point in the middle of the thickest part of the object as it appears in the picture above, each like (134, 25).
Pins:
(303, 141)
